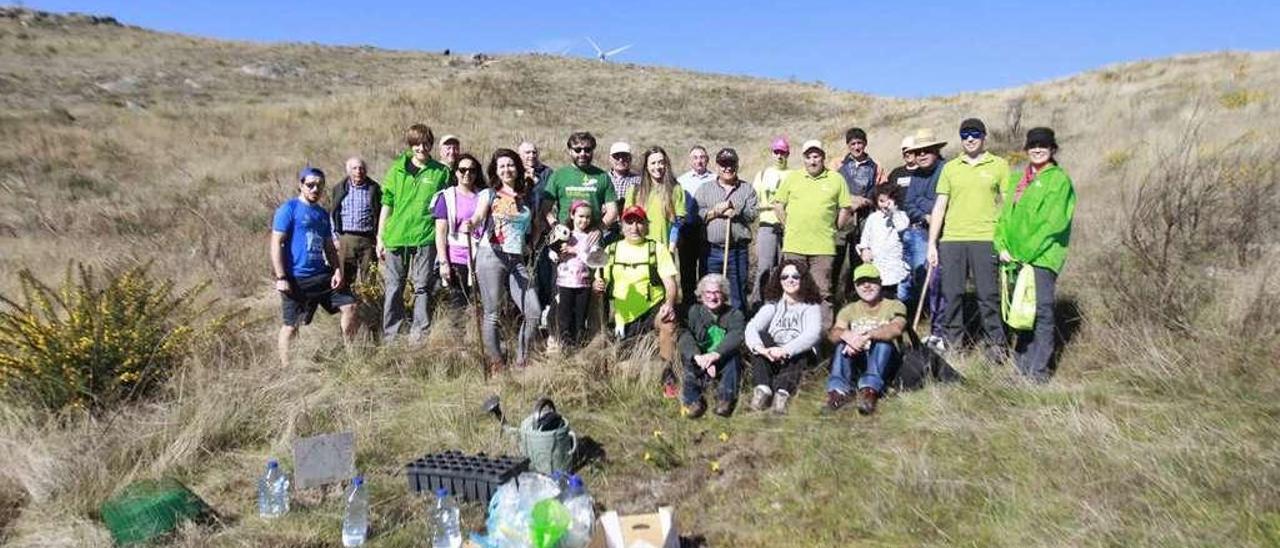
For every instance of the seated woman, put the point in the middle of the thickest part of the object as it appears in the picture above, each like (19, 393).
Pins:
(866, 332)
(709, 348)
(639, 278)
(783, 335)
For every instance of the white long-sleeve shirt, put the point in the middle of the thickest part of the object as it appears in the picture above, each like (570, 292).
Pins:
(884, 239)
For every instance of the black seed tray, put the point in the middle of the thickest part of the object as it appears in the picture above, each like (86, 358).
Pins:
(467, 477)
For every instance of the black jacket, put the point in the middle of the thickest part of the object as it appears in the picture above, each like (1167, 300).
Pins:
(340, 193)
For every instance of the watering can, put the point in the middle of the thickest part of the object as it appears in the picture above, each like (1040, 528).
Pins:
(544, 436)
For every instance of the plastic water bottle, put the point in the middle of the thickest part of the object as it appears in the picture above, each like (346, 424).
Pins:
(273, 491)
(448, 530)
(582, 513)
(355, 521)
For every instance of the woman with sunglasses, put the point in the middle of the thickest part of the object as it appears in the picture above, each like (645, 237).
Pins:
(1035, 229)
(660, 196)
(505, 214)
(454, 207)
(783, 335)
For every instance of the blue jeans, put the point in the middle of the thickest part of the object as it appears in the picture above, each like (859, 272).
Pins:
(877, 364)
(915, 251)
(737, 271)
(696, 380)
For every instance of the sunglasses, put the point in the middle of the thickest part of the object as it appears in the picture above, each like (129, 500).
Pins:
(785, 277)
(580, 150)
(467, 170)
(622, 157)
(971, 134)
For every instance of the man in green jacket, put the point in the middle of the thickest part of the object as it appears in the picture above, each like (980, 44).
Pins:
(709, 348)
(1035, 228)
(406, 232)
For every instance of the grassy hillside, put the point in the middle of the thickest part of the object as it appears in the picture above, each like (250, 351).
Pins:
(126, 145)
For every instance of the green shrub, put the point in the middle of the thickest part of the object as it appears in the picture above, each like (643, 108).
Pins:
(1240, 98)
(95, 342)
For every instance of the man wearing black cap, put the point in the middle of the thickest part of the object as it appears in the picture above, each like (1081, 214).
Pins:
(728, 207)
(302, 251)
(968, 204)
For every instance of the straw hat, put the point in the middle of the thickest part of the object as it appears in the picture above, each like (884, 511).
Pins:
(924, 138)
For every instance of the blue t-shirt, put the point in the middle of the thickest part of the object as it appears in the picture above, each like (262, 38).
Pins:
(305, 227)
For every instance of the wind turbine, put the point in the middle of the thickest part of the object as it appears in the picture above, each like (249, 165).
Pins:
(603, 55)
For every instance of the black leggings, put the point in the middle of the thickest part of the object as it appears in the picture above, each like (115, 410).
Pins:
(784, 375)
(571, 313)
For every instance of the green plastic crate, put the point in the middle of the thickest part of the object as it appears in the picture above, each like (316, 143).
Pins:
(147, 509)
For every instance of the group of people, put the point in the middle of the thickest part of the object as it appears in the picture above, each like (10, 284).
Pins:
(653, 252)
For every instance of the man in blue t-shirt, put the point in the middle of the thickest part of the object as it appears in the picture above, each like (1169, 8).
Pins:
(305, 261)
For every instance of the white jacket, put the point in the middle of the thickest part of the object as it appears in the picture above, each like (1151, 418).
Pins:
(884, 239)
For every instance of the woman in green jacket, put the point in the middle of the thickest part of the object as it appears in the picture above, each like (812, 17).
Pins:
(1035, 228)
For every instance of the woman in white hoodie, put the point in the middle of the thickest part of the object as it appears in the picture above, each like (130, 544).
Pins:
(783, 334)
(881, 242)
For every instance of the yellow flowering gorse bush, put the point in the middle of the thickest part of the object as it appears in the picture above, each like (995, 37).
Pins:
(94, 342)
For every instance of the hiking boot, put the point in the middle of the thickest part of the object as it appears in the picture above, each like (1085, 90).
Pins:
(669, 387)
(780, 402)
(760, 398)
(724, 408)
(696, 409)
(867, 400)
(836, 400)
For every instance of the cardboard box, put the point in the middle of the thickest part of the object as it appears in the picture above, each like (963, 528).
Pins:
(655, 530)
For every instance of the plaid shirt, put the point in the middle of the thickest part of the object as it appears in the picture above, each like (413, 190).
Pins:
(357, 209)
(622, 183)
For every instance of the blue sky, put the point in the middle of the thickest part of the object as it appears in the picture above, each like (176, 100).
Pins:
(905, 49)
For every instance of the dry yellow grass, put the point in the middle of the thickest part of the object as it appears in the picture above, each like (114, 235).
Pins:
(124, 144)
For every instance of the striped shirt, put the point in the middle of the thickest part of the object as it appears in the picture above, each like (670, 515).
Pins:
(357, 209)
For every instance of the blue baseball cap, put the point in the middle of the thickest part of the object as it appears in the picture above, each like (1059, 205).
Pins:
(309, 171)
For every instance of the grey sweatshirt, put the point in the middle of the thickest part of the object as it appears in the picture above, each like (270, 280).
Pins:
(795, 327)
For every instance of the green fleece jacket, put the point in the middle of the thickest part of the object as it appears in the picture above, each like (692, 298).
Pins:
(696, 340)
(1036, 229)
(411, 223)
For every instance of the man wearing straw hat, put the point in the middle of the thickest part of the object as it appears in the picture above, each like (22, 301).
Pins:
(926, 152)
(728, 207)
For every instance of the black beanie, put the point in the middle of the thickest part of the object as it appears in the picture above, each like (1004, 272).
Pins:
(973, 123)
(1041, 136)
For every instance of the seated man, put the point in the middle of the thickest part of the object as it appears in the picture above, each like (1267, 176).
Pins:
(640, 278)
(709, 347)
(866, 333)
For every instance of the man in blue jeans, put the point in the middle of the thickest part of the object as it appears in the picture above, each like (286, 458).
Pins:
(921, 194)
(865, 332)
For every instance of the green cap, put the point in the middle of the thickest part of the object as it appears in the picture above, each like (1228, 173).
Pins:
(866, 271)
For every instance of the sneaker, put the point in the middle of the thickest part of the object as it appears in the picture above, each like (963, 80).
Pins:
(760, 398)
(553, 346)
(867, 401)
(836, 399)
(780, 402)
(696, 409)
(724, 408)
(936, 343)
